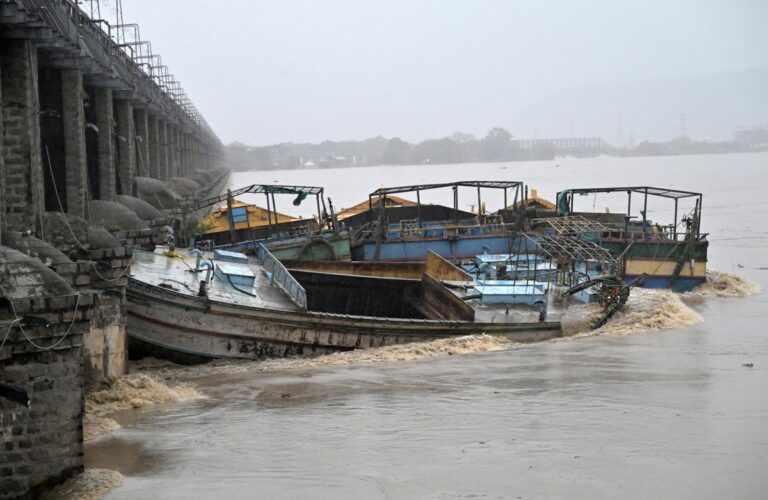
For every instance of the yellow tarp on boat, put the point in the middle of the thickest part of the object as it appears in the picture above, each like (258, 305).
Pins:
(218, 221)
(390, 201)
(534, 201)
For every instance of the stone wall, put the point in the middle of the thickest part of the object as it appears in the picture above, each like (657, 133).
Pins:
(42, 444)
(21, 135)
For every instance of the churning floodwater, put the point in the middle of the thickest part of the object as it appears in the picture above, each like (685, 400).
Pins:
(670, 413)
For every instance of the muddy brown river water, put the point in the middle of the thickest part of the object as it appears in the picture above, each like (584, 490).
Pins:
(671, 413)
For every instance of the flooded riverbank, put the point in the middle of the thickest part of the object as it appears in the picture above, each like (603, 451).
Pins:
(670, 412)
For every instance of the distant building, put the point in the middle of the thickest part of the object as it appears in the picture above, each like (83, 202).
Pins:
(751, 136)
(568, 144)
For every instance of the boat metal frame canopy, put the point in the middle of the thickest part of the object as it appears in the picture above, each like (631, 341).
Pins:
(572, 224)
(645, 192)
(570, 249)
(517, 188)
(269, 190)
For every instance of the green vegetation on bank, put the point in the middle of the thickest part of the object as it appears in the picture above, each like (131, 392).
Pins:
(498, 145)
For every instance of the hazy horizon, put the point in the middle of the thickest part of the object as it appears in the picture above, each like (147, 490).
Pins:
(308, 71)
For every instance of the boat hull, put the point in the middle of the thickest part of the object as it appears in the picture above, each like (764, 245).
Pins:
(197, 328)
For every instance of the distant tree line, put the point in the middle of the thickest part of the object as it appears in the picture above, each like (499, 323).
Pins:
(497, 145)
(685, 146)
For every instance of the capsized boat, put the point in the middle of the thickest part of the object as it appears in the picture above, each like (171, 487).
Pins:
(191, 306)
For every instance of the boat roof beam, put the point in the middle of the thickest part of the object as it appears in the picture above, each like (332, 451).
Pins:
(424, 187)
(254, 189)
(653, 191)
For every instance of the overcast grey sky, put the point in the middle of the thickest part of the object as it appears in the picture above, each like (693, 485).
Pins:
(263, 72)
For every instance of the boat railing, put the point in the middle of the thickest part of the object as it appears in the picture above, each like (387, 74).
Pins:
(279, 274)
(409, 229)
(651, 234)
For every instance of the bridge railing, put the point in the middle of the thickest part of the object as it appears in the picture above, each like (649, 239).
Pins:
(280, 275)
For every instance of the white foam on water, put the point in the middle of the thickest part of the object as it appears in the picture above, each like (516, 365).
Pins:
(404, 352)
(91, 484)
(722, 284)
(130, 391)
(645, 310)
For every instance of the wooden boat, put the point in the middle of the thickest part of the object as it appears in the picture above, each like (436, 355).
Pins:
(178, 308)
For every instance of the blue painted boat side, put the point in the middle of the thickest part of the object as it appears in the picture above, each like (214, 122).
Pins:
(464, 247)
(682, 284)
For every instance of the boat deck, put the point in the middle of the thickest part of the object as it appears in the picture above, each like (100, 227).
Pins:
(177, 274)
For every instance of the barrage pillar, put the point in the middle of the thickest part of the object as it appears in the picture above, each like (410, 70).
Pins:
(184, 154)
(154, 146)
(176, 152)
(142, 142)
(22, 166)
(162, 129)
(73, 117)
(171, 149)
(126, 149)
(2, 162)
(104, 112)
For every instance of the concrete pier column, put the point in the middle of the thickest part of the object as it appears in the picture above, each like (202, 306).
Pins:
(2, 162)
(196, 164)
(184, 153)
(73, 117)
(190, 158)
(154, 146)
(171, 135)
(142, 142)
(162, 130)
(22, 166)
(106, 155)
(176, 152)
(126, 148)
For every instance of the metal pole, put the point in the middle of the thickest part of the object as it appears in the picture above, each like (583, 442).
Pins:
(645, 212)
(698, 216)
(456, 205)
(319, 215)
(370, 208)
(629, 211)
(269, 214)
(274, 209)
(479, 204)
(418, 205)
(322, 200)
(232, 217)
(674, 221)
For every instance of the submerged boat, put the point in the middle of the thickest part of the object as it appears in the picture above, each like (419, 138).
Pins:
(195, 306)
